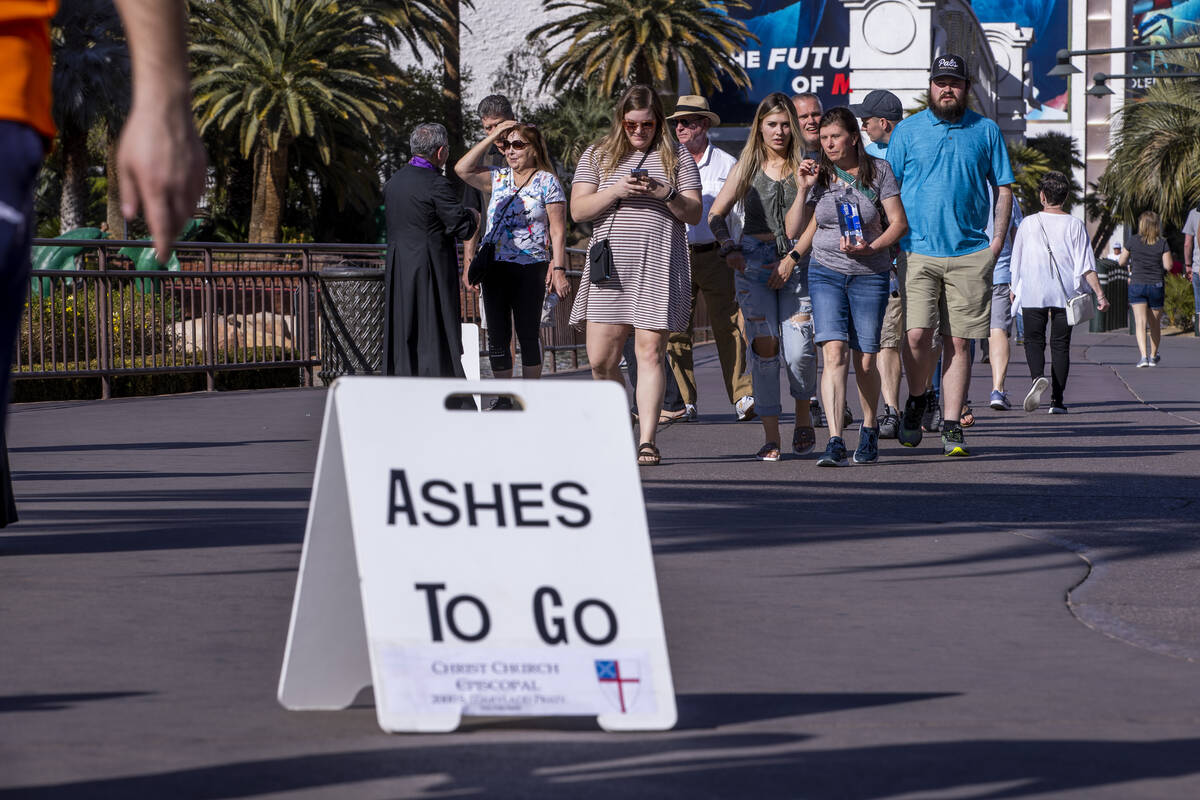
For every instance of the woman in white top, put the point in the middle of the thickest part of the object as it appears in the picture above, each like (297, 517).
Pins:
(1052, 261)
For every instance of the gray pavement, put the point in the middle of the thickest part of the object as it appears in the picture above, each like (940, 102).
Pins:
(1023, 623)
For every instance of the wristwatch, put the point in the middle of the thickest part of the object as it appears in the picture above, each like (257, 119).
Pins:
(794, 256)
(672, 193)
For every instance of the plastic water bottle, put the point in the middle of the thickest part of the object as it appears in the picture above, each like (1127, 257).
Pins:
(548, 309)
(848, 218)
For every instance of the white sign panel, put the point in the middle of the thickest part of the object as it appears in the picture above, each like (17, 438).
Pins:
(482, 564)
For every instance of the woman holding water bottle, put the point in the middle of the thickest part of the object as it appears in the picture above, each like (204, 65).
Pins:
(851, 219)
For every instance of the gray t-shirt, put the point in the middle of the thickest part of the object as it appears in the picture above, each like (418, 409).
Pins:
(826, 248)
(1192, 226)
(1145, 260)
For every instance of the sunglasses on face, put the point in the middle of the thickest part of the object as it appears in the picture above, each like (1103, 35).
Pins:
(638, 127)
(515, 144)
(689, 123)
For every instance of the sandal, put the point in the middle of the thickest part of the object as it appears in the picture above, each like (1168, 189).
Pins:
(967, 418)
(768, 452)
(667, 417)
(804, 439)
(648, 455)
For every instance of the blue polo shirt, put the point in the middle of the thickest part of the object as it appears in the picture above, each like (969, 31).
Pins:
(946, 172)
(876, 149)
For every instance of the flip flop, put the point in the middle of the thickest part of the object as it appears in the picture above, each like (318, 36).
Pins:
(967, 418)
(768, 452)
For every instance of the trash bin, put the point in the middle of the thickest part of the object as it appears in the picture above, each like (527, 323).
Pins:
(1115, 284)
(351, 303)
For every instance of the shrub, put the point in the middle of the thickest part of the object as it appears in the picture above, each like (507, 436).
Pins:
(1179, 305)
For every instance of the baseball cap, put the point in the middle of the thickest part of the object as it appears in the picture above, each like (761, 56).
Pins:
(951, 65)
(879, 103)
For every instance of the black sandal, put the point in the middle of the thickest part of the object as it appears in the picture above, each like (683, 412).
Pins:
(648, 455)
(967, 418)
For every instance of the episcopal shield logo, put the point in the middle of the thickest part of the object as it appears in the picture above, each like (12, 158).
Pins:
(619, 682)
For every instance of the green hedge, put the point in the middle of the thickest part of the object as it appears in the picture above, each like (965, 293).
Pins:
(1179, 304)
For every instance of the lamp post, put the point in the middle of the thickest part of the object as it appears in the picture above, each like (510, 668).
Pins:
(1064, 67)
(1099, 89)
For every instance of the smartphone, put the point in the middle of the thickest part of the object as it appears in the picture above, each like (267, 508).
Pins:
(640, 174)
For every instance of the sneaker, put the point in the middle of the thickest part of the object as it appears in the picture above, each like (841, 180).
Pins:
(847, 416)
(818, 416)
(1154, 359)
(745, 408)
(690, 414)
(500, 404)
(931, 420)
(999, 400)
(1145, 362)
(1058, 408)
(834, 455)
(1034, 398)
(909, 433)
(867, 451)
(952, 442)
(889, 422)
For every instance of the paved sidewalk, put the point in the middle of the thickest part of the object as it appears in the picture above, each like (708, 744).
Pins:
(1020, 624)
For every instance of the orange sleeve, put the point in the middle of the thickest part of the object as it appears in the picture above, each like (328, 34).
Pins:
(25, 54)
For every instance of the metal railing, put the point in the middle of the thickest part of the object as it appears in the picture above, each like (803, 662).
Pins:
(229, 307)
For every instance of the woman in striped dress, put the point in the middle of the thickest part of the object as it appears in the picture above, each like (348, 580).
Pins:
(638, 187)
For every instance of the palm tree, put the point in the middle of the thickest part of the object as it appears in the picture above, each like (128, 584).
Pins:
(283, 70)
(1154, 155)
(91, 87)
(610, 42)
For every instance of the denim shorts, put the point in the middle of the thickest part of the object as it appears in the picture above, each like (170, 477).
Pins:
(1150, 293)
(848, 308)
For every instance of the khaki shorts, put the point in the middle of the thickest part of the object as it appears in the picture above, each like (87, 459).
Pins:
(953, 294)
(893, 323)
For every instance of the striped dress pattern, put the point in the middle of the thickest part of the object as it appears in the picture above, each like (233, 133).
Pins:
(651, 287)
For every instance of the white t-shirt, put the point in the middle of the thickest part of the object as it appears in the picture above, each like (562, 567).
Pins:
(1034, 281)
(715, 166)
(1191, 226)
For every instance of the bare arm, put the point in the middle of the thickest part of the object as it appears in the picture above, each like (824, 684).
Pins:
(160, 159)
(1189, 244)
(1123, 259)
(897, 224)
(1168, 262)
(798, 212)
(1002, 217)
(588, 202)
(556, 279)
(471, 168)
(1094, 281)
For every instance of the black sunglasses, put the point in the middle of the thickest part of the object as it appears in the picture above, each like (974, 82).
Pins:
(515, 144)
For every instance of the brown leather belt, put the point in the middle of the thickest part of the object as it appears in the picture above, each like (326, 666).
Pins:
(703, 248)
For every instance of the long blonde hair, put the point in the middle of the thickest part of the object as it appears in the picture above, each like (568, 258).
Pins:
(615, 145)
(754, 154)
(1149, 227)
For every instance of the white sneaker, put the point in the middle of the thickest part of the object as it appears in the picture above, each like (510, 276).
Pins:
(690, 414)
(1034, 398)
(745, 408)
(1145, 362)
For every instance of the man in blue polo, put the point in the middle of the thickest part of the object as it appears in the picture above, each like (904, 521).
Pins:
(947, 159)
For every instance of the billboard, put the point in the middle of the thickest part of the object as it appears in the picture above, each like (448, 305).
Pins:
(1050, 22)
(1158, 22)
(802, 47)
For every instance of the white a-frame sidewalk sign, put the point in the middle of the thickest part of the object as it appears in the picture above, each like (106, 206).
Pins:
(478, 564)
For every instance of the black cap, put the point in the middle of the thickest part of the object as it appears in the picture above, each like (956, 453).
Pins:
(879, 103)
(948, 64)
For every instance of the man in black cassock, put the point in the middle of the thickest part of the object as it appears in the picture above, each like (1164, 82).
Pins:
(423, 335)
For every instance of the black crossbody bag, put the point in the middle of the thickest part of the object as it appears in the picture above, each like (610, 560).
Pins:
(485, 256)
(600, 257)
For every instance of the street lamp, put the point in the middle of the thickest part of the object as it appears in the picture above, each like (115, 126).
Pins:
(1099, 89)
(1063, 67)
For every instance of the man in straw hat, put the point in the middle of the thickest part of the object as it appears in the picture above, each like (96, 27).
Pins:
(710, 275)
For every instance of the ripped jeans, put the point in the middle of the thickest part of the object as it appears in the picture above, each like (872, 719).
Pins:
(782, 314)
